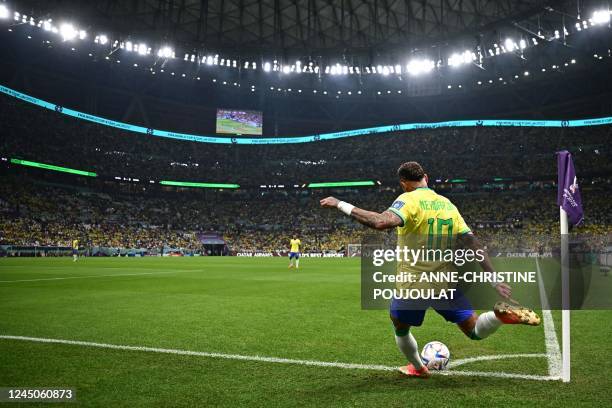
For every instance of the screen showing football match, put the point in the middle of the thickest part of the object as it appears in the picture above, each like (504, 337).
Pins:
(239, 122)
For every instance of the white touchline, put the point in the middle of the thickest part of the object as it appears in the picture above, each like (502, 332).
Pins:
(550, 335)
(374, 367)
(460, 362)
(97, 276)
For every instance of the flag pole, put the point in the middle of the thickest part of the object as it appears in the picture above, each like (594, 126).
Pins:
(565, 313)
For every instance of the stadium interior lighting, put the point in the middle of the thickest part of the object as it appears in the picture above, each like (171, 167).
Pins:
(53, 168)
(342, 184)
(420, 66)
(67, 32)
(142, 49)
(509, 43)
(266, 67)
(166, 52)
(198, 185)
(102, 39)
(465, 57)
(601, 17)
(4, 12)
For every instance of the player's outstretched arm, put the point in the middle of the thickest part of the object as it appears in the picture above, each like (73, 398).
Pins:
(372, 219)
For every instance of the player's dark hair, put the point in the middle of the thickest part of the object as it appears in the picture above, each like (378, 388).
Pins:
(411, 171)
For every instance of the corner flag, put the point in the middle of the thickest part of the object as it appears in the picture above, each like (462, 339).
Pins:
(568, 194)
(570, 209)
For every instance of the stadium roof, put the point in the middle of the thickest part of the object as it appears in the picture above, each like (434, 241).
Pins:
(313, 26)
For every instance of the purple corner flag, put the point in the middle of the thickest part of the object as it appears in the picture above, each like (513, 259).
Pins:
(568, 194)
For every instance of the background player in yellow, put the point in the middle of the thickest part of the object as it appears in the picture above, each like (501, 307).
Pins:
(294, 252)
(422, 216)
(75, 249)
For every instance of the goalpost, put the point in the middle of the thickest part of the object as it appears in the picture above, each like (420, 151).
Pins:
(353, 250)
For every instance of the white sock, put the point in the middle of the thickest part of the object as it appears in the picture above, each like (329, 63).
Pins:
(486, 324)
(409, 347)
(297, 263)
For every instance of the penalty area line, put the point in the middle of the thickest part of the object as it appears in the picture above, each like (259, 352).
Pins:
(372, 367)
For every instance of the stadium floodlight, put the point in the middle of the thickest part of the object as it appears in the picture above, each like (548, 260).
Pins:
(557, 35)
(266, 67)
(141, 49)
(102, 39)
(4, 11)
(67, 31)
(198, 185)
(165, 52)
(522, 44)
(509, 43)
(601, 17)
(53, 167)
(82, 34)
(420, 66)
(342, 184)
(286, 69)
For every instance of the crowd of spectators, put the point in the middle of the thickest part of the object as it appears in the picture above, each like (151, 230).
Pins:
(34, 214)
(33, 133)
(518, 211)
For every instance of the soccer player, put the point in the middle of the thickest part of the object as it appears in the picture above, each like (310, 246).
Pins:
(415, 214)
(75, 250)
(294, 252)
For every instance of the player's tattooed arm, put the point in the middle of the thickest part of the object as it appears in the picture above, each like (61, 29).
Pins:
(378, 221)
(372, 219)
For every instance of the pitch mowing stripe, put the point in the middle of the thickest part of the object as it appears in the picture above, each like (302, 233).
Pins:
(550, 335)
(277, 360)
(98, 276)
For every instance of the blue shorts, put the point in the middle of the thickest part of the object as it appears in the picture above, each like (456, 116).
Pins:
(295, 255)
(75, 251)
(455, 311)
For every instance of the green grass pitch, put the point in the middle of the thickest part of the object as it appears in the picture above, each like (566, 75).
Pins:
(257, 307)
(234, 127)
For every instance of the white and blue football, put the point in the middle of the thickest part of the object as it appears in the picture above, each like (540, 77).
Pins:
(435, 355)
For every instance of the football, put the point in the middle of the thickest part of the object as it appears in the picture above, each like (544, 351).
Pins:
(435, 355)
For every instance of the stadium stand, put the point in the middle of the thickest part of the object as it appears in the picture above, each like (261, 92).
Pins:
(41, 208)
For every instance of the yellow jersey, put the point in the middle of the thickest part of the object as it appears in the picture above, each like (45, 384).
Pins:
(295, 245)
(429, 222)
(75, 244)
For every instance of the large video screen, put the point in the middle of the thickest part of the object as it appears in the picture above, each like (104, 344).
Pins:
(239, 122)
